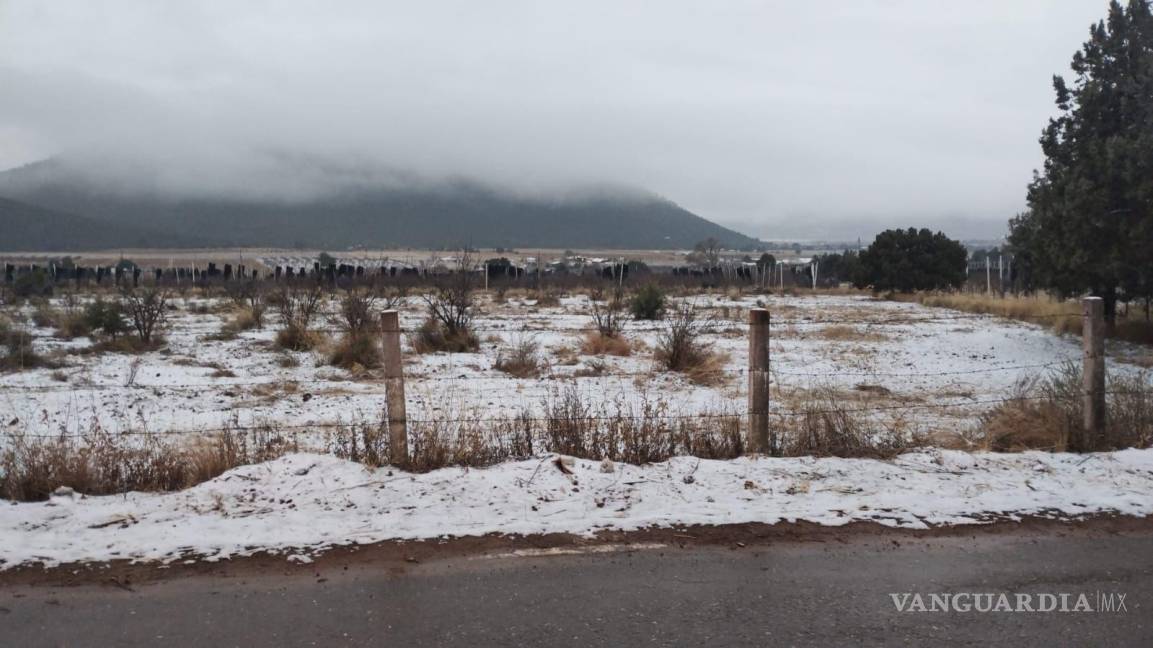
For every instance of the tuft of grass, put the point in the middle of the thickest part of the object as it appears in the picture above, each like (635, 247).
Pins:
(294, 338)
(845, 333)
(356, 351)
(520, 359)
(599, 344)
(432, 336)
(1044, 412)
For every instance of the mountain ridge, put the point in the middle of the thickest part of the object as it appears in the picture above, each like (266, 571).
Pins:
(450, 214)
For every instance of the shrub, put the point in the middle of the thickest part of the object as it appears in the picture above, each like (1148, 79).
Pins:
(32, 284)
(607, 318)
(648, 303)
(147, 310)
(1044, 412)
(451, 301)
(297, 307)
(19, 353)
(357, 315)
(450, 313)
(597, 343)
(356, 350)
(521, 359)
(432, 336)
(106, 317)
(679, 347)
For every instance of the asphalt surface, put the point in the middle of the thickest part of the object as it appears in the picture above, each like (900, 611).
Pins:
(782, 593)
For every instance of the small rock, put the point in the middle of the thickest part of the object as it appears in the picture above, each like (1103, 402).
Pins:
(607, 466)
(306, 397)
(689, 479)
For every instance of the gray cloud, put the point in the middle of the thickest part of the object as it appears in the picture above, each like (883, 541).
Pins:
(786, 119)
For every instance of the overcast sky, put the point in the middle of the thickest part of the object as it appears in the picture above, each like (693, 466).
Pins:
(784, 119)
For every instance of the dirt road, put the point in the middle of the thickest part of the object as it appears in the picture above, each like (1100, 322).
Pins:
(753, 587)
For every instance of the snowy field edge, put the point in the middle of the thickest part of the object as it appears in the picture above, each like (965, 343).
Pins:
(304, 503)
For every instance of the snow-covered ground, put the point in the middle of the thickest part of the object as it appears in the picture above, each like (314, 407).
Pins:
(896, 353)
(303, 503)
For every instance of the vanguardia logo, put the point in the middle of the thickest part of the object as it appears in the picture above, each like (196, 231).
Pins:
(1108, 602)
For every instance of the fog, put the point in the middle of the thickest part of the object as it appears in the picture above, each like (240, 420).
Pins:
(782, 119)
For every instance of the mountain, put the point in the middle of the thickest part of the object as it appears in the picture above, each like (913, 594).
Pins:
(142, 211)
(25, 227)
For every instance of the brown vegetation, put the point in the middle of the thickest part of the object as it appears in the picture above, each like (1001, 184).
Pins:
(100, 463)
(1044, 412)
(521, 359)
(597, 343)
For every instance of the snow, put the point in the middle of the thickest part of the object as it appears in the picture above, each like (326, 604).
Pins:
(304, 503)
(921, 355)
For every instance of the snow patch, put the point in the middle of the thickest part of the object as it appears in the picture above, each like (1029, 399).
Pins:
(304, 503)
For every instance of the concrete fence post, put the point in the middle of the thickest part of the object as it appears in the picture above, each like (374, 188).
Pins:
(1093, 372)
(394, 387)
(758, 435)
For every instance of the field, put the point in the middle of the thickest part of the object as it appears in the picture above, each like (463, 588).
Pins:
(913, 370)
(880, 410)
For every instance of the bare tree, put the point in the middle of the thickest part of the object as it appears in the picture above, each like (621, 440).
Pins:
(147, 309)
(451, 301)
(357, 313)
(707, 253)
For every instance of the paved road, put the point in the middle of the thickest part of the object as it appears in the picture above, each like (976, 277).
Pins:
(784, 593)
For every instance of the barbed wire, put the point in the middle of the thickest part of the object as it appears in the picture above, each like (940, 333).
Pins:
(577, 419)
(501, 377)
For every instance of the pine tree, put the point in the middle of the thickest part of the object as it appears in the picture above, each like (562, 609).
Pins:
(1089, 226)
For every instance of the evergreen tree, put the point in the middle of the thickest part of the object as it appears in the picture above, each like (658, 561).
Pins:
(908, 260)
(1089, 226)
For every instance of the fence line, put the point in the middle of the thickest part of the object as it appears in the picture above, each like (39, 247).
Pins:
(513, 420)
(1094, 351)
(186, 386)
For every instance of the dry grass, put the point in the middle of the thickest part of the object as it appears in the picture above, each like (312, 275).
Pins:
(599, 344)
(101, 463)
(1044, 412)
(293, 338)
(356, 352)
(845, 333)
(826, 421)
(679, 348)
(709, 370)
(570, 425)
(1062, 316)
(636, 434)
(547, 299)
(17, 352)
(433, 337)
(521, 359)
